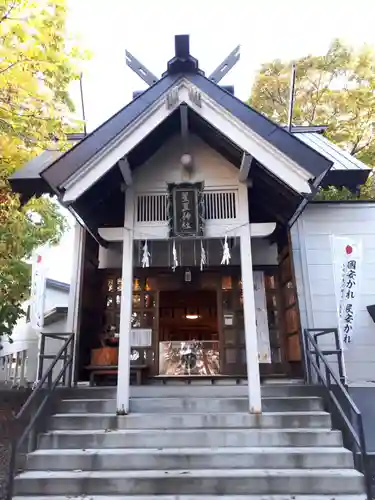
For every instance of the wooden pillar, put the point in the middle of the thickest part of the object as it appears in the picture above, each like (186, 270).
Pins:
(252, 361)
(123, 379)
(75, 291)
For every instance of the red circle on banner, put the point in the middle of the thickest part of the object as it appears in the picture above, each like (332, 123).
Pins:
(39, 259)
(348, 249)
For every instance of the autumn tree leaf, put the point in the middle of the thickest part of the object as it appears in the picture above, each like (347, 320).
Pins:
(37, 64)
(336, 89)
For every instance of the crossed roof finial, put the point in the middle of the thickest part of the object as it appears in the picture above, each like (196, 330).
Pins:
(182, 61)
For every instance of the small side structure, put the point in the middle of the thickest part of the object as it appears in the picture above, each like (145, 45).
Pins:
(19, 358)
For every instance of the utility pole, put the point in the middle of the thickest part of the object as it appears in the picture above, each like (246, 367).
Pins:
(291, 98)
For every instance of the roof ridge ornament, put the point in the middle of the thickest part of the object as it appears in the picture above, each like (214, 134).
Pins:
(172, 97)
(182, 62)
(229, 62)
(140, 70)
(195, 96)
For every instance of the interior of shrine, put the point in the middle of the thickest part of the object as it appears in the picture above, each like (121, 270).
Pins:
(187, 321)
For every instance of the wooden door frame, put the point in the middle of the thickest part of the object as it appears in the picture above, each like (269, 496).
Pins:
(266, 368)
(216, 288)
(287, 252)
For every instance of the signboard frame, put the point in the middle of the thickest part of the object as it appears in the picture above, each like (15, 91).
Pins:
(185, 210)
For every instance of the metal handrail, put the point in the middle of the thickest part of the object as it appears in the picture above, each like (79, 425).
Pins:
(65, 354)
(352, 427)
(319, 332)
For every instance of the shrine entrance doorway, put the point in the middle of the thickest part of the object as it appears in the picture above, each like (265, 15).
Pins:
(188, 333)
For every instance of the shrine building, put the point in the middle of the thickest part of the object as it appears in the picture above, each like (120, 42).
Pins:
(199, 249)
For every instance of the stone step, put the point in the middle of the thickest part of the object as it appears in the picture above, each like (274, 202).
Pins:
(191, 482)
(275, 420)
(190, 405)
(189, 438)
(215, 405)
(202, 497)
(189, 390)
(190, 458)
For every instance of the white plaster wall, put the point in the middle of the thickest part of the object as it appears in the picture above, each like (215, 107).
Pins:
(315, 281)
(263, 253)
(110, 257)
(209, 167)
(164, 167)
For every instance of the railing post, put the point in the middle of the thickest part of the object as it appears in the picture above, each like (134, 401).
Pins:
(307, 357)
(329, 389)
(16, 379)
(49, 380)
(13, 369)
(306, 360)
(11, 471)
(70, 369)
(317, 358)
(41, 356)
(22, 369)
(339, 357)
(328, 377)
(64, 361)
(364, 458)
(8, 367)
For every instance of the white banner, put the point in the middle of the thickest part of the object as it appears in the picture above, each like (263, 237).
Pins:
(347, 261)
(261, 317)
(38, 291)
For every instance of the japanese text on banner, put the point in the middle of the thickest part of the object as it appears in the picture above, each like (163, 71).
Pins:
(38, 291)
(347, 255)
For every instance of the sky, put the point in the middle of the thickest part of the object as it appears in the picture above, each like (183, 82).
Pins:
(266, 29)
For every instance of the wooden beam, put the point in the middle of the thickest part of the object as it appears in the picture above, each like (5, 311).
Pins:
(258, 230)
(184, 127)
(226, 65)
(139, 69)
(245, 167)
(125, 171)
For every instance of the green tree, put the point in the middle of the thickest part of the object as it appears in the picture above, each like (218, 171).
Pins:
(37, 64)
(336, 89)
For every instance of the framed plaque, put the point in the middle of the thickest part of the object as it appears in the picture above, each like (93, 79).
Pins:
(185, 210)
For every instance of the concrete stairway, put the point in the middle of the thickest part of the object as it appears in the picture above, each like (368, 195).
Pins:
(191, 441)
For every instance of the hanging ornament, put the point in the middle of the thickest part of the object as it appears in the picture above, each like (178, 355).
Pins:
(145, 255)
(203, 256)
(174, 255)
(226, 252)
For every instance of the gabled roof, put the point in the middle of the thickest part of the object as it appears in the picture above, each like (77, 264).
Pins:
(57, 285)
(53, 171)
(28, 180)
(75, 158)
(182, 65)
(56, 314)
(309, 159)
(346, 170)
(71, 162)
(341, 159)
